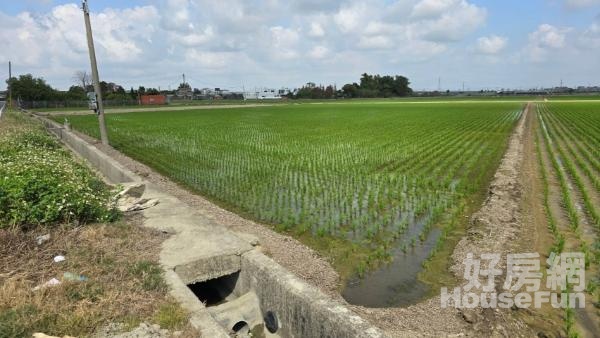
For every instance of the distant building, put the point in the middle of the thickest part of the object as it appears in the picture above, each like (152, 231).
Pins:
(266, 94)
(146, 100)
(185, 91)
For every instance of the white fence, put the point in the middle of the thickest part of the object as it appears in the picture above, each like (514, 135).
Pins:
(3, 105)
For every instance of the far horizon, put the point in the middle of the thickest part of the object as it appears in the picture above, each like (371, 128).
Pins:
(437, 44)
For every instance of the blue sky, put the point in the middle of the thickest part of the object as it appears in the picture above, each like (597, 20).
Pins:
(276, 43)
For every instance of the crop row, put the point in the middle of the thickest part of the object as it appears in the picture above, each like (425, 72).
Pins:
(367, 173)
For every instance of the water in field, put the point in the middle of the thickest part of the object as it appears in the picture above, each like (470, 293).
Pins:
(395, 284)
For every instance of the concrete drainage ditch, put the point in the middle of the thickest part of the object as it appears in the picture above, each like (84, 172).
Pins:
(228, 287)
(236, 309)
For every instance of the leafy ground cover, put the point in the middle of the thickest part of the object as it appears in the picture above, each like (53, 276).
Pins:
(40, 183)
(110, 273)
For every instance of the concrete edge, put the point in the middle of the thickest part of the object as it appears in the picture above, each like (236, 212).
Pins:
(333, 313)
(109, 168)
(200, 318)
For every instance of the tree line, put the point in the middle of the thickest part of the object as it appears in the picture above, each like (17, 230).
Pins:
(370, 86)
(29, 88)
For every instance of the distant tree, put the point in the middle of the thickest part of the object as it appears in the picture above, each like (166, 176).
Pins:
(350, 90)
(378, 86)
(133, 94)
(329, 92)
(29, 88)
(76, 93)
(185, 86)
(83, 79)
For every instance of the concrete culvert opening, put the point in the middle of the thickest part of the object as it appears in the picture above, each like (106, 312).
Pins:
(215, 291)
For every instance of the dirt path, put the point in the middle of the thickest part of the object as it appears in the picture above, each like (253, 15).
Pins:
(161, 108)
(536, 236)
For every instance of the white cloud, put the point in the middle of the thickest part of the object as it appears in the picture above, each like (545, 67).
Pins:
(579, 4)
(427, 9)
(457, 19)
(318, 52)
(350, 19)
(375, 42)
(283, 43)
(270, 42)
(209, 60)
(590, 38)
(316, 30)
(544, 39)
(548, 36)
(194, 39)
(492, 44)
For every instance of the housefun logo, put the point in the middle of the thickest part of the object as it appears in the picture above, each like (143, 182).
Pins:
(522, 287)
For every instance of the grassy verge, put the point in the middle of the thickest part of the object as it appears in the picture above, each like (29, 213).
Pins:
(45, 191)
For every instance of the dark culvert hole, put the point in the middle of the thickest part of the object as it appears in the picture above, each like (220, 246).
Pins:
(241, 327)
(271, 322)
(215, 291)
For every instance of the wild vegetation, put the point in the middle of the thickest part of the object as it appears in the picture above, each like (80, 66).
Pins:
(51, 205)
(40, 184)
(363, 173)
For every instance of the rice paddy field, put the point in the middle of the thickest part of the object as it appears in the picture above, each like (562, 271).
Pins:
(378, 178)
(568, 151)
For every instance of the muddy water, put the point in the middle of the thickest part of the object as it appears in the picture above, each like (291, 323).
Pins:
(395, 284)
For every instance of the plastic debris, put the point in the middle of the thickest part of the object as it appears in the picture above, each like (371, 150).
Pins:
(51, 282)
(130, 199)
(74, 277)
(41, 239)
(59, 259)
(43, 335)
(142, 204)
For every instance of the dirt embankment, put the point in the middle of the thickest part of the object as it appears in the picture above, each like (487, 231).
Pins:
(497, 228)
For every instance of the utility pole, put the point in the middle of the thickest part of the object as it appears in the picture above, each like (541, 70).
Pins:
(9, 86)
(184, 87)
(95, 77)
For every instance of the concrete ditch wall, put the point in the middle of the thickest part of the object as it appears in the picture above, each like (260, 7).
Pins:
(112, 170)
(302, 310)
(201, 250)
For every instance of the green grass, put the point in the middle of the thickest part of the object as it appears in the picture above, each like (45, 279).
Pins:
(360, 172)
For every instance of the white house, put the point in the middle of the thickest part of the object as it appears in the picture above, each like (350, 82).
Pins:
(266, 94)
